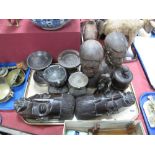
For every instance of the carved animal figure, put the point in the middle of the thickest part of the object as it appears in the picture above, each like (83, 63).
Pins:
(129, 28)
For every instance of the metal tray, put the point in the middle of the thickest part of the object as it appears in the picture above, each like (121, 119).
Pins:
(126, 113)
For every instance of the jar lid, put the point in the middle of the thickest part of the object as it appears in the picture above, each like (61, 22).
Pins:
(78, 80)
(123, 75)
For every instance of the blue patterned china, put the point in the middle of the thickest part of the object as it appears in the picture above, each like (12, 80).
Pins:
(51, 24)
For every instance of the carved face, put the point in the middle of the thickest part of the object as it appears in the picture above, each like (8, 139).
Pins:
(31, 108)
(115, 61)
(91, 55)
(90, 67)
(116, 47)
(41, 109)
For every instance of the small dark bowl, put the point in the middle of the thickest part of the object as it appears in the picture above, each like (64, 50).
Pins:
(55, 75)
(39, 60)
(69, 59)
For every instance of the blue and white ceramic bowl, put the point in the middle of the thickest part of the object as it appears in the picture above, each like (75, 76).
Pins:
(50, 24)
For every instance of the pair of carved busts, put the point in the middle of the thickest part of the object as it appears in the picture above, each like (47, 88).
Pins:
(103, 64)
